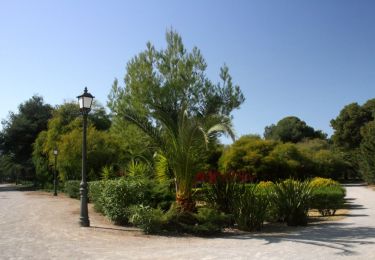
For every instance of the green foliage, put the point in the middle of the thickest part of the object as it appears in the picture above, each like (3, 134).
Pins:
(64, 133)
(329, 164)
(266, 159)
(322, 160)
(286, 161)
(349, 131)
(319, 182)
(222, 193)
(118, 195)
(209, 221)
(327, 199)
(10, 170)
(138, 168)
(43, 171)
(149, 219)
(292, 199)
(347, 126)
(108, 172)
(160, 195)
(367, 153)
(173, 78)
(72, 188)
(169, 97)
(95, 194)
(292, 129)
(206, 221)
(250, 208)
(102, 150)
(19, 133)
(247, 154)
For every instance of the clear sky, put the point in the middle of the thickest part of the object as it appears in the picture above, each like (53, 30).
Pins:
(301, 58)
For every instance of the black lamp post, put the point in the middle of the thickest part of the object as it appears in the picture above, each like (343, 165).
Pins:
(55, 152)
(85, 102)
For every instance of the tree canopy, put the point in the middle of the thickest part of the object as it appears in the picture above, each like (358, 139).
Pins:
(20, 131)
(347, 125)
(172, 78)
(367, 152)
(291, 129)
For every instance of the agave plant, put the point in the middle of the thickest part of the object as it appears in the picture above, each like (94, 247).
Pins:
(182, 139)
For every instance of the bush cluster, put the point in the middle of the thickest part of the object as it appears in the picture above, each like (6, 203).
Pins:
(327, 196)
(72, 188)
(119, 195)
(148, 204)
(95, 194)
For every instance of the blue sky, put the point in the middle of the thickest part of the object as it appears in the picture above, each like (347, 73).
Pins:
(301, 58)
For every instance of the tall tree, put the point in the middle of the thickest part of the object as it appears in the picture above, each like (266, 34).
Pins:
(66, 119)
(20, 131)
(367, 152)
(168, 95)
(347, 125)
(292, 129)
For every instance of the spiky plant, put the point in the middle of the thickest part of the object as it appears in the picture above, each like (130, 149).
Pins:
(182, 139)
(292, 198)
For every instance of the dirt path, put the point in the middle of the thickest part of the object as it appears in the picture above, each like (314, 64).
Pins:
(39, 226)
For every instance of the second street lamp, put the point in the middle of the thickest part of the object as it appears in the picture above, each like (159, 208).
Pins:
(85, 102)
(55, 152)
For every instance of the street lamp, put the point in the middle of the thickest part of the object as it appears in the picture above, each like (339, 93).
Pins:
(55, 152)
(85, 102)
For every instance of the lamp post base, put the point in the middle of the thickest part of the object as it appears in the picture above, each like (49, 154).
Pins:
(84, 222)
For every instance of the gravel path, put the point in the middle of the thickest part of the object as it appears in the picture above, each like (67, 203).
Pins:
(36, 225)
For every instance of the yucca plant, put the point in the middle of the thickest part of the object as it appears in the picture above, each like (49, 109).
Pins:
(250, 207)
(292, 197)
(222, 193)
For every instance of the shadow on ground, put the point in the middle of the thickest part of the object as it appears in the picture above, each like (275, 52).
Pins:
(340, 236)
(13, 187)
(344, 237)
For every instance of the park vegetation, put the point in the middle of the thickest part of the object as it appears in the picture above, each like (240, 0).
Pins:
(155, 160)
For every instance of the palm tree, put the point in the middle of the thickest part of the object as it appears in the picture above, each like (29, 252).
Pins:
(182, 138)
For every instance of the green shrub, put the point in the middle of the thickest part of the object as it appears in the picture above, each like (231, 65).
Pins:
(318, 182)
(250, 207)
(108, 172)
(205, 222)
(268, 188)
(72, 188)
(95, 194)
(159, 195)
(327, 199)
(149, 219)
(292, 199)
(221, 194)
(209, 221)
(119, 194)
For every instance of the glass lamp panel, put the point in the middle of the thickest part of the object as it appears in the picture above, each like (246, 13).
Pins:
(87, 102)
(80, 101)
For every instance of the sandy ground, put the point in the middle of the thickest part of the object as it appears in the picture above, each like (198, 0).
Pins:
(35, 225)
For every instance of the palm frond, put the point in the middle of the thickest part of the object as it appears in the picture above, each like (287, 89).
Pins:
(144, 124)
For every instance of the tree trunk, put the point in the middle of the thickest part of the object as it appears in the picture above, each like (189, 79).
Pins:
(186, 204)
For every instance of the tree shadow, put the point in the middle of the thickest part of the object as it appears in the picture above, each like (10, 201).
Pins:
(339, 236)
(13, 187)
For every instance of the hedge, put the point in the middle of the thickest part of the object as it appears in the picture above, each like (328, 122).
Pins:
(72, 188)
